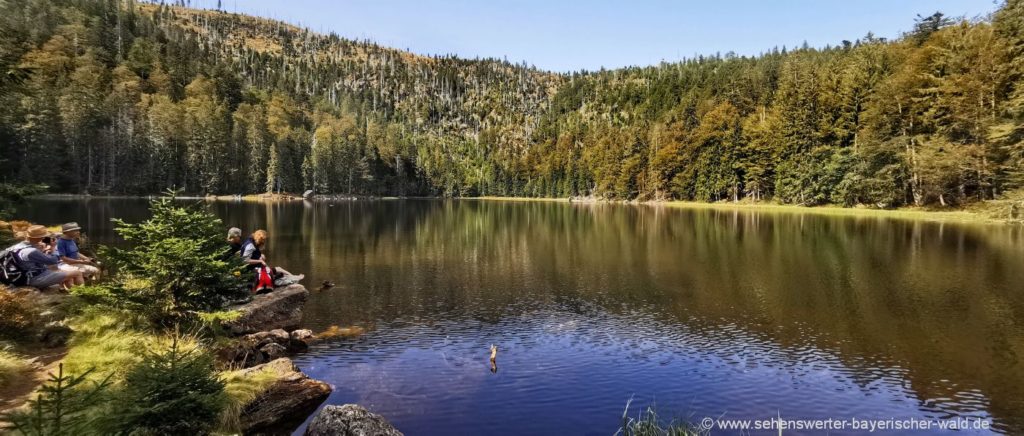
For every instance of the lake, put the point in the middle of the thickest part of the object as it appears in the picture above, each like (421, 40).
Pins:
(698, 312)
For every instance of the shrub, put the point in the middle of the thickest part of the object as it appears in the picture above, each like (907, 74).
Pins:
(212, 323)
(180, 252)
(175, 391)
(130, 294)
(16, 315)
(1009, 206)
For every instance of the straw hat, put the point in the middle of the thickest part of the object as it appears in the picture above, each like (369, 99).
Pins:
(69, 227)
(37, 232)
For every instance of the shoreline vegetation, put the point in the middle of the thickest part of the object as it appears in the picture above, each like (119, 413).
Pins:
(150, 349)
(990, 212)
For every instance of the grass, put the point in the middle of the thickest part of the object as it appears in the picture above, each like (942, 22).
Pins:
(979, 213)
(341, 332)
(648, 423)
(976, 214)
(113, 342)
(110, 341)
(105, 341)
(12, 366)
(540, 199)
(905, 213)
(240, 389)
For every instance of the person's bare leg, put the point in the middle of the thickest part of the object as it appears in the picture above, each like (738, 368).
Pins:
(74, 279)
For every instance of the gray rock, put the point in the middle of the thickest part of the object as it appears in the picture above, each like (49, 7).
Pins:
(292, 397)
(301, 335)
(55, 334)
(299, 340)
(255, 348)
(280, 335)
(281, 309)
(259, 339)
(273, 351)
(350, 420)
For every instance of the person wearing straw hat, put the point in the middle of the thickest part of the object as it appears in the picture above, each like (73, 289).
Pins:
(35, 256)
(71, 259)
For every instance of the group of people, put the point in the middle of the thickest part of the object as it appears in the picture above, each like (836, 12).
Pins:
(251, 252)
(44, 259)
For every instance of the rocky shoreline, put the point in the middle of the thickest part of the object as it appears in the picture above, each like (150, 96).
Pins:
(261, 337)
(265, 334)
(262, 340)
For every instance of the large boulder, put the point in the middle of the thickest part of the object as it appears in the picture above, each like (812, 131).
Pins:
(286, 402)
(281, 309)
(350, 420)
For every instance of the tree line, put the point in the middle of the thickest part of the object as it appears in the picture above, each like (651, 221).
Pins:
(135, 98)
(931, 118)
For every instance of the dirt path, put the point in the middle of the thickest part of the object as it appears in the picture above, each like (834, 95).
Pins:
(19, 391)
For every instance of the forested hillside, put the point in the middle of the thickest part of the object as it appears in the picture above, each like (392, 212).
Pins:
(124, 97)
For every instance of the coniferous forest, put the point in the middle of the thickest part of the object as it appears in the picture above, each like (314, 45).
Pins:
(121, 97)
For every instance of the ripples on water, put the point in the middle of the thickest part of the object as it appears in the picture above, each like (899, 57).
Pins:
(572, 373)
(699, 312)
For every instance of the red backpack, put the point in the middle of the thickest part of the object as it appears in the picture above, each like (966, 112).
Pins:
(264, 280)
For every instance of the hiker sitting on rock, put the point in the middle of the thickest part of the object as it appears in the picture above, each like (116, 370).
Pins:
(34, 258)
(71, 259)
(252, 253)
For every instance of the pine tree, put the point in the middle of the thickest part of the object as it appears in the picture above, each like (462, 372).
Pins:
(62, 406)
(172, 392)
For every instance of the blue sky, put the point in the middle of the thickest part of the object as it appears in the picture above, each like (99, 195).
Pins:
(563, 35)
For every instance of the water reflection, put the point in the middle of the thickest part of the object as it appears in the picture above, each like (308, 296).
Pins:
(705, 311)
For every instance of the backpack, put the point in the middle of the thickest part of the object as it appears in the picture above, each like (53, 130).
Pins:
(11, 272)
(264, 281)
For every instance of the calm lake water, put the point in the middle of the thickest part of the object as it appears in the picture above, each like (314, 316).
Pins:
(700, 312)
